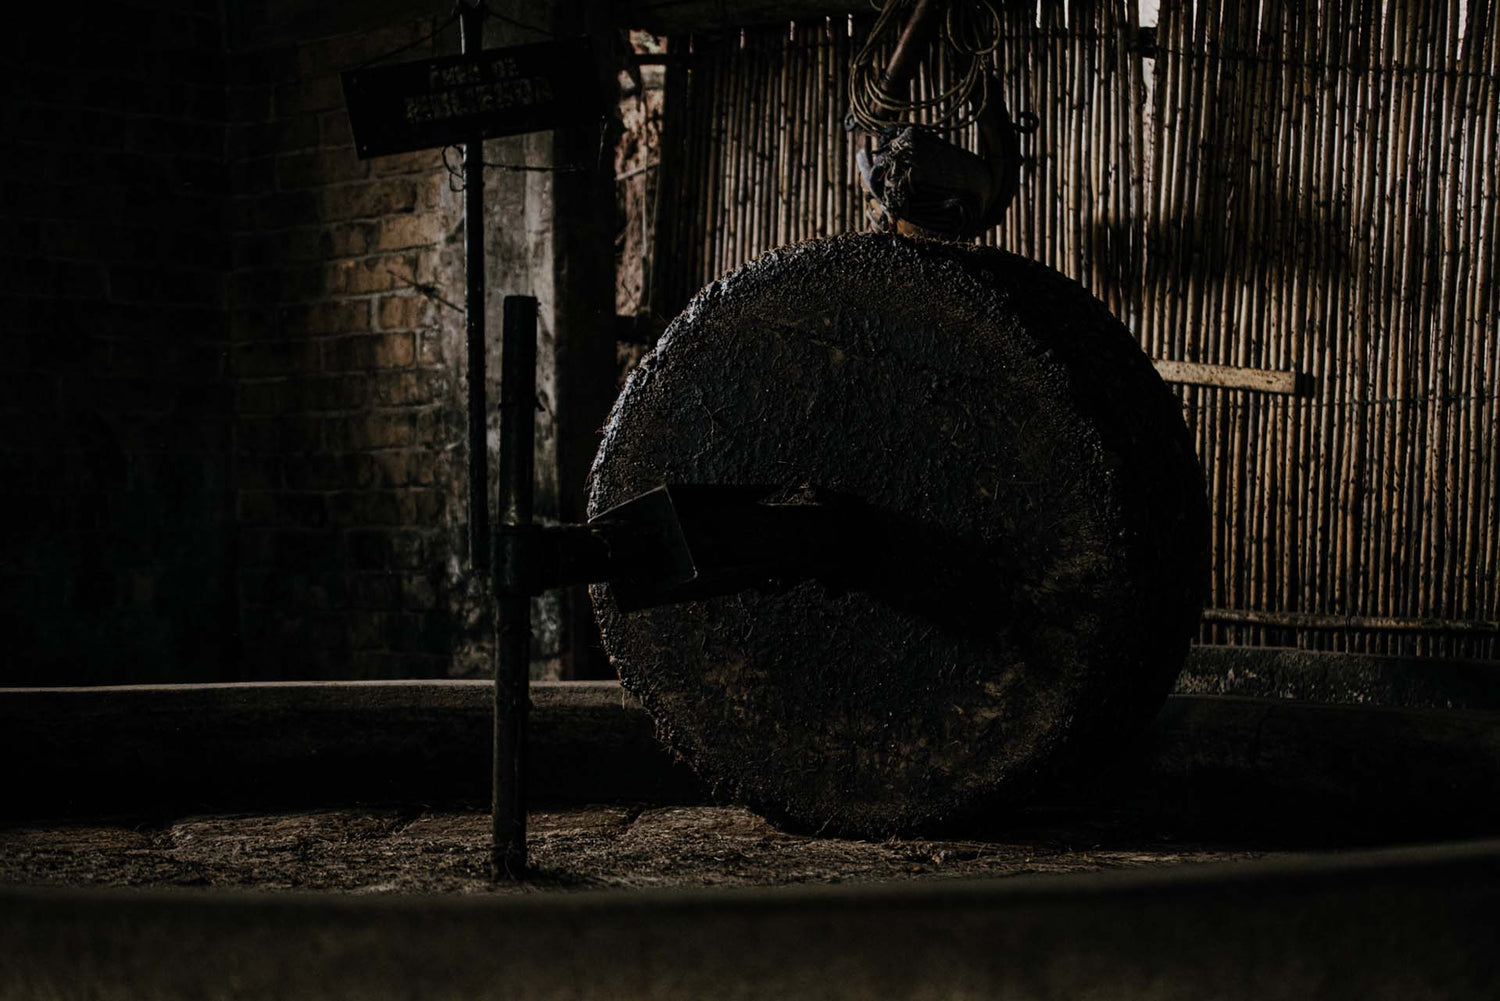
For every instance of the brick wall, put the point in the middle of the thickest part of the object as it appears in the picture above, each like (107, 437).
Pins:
(233, 354)
(349, 422)
(117, 545)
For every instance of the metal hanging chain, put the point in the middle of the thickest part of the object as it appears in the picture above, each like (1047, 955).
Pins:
(971, 29)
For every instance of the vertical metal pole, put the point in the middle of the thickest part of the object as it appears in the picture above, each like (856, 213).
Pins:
(513, 663)
(472, 20)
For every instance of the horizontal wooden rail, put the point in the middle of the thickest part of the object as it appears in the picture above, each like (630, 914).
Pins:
(1264, 380)
(1314, 620)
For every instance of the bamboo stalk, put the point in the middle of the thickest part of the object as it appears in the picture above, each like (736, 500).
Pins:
(1312, 188)
(1282, 304)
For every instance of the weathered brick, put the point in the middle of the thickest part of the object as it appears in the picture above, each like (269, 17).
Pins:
(369, 198)
(365, 507)
(65, 126)
(436, 266)
(257, 507)
(307, 590)
(210, 250)
(260, 64)
(249, 104)
(318, 471)
(431, 351)
(278, 435)
(437, 192)
(158, 284)
(388, 429)
(411, 549)
(328, 316)
(267, 358)
(369, 630)
(416, 230)
(345, 354)
(334, 129)
(114, 395)
(325, 395)
(257, 251)
(421, 507)
(405, 388)
(255, 548)
(369, 274)
(299, 549)
(419, 632)
(312, 168)
(267, 138)
(256, 287)
(281, 247)
(251, 324)
(350, 239)
(318, 93)
(374, 590)
(404, 311)
(308, 634)
(173, 210)
(257, 474)
(420, 591)
(302, 284)
(341, 392)
(370, 549)
(184, 138)
(279, 211)
(415, 162)
(402, 468)
(306, 510)
(259, 397)
(333, 55)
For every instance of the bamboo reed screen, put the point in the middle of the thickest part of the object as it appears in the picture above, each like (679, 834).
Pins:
(1296, 186)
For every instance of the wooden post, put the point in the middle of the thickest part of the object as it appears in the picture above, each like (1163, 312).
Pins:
(513, 658)
(472, 21)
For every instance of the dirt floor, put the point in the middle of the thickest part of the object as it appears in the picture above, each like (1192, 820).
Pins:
(394, 850)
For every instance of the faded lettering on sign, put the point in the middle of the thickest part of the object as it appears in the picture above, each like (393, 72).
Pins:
(498, 92)
(478, 99)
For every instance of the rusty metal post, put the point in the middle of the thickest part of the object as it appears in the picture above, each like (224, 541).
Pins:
(513, 660)
(920, 29)
(472, 21)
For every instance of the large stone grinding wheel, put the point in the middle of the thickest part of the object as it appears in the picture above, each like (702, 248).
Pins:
(961, 388)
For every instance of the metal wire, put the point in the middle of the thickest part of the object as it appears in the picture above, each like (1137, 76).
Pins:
(971, 31)
(382, 57)
(456, 170)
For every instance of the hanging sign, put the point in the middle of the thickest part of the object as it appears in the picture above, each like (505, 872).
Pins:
(497, 92)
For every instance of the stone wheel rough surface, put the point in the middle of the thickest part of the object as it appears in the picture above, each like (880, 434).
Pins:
(961, 388)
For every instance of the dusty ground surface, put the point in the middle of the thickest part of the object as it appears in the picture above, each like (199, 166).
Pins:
(393, 850)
